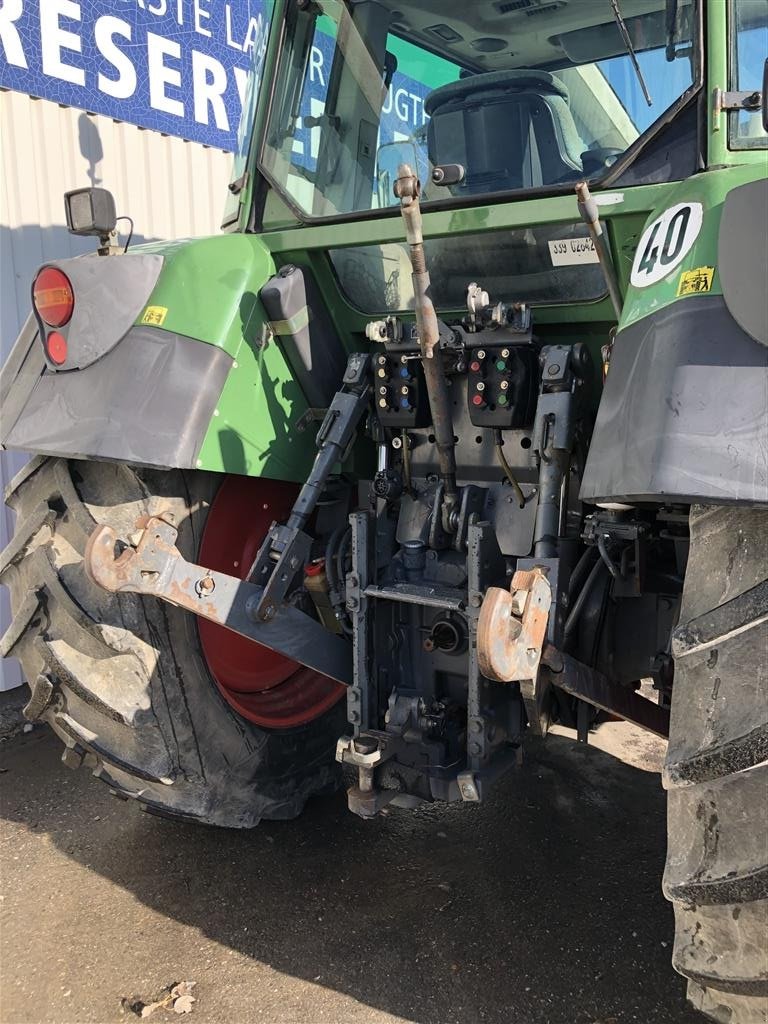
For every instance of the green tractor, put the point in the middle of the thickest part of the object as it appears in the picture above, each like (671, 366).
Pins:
(458, 430)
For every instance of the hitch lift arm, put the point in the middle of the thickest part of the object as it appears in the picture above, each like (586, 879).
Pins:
(254, 607)
(157, 569)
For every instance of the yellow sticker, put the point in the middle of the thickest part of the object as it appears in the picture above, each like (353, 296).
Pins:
(154, 316)
(693, 282)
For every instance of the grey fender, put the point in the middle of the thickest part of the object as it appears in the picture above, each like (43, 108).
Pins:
(684, 411)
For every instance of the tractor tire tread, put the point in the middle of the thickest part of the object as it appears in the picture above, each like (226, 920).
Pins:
(126, 688)
(716, 776)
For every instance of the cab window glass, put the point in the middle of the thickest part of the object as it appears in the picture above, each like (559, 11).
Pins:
(366, 87)
(749, 49)
(250, 100)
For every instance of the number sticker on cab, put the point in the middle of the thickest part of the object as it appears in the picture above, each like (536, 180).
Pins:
(665, 243)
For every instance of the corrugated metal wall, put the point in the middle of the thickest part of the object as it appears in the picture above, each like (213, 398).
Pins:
(171, 189)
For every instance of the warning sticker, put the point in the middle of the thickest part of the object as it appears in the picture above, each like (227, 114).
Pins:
(569, 252)
(154, 316)
(694, 282)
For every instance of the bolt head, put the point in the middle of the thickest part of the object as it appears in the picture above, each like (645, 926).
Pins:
(365, 745)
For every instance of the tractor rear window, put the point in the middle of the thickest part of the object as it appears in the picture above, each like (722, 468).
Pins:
(532, 96)
(538, 265)
(749, 49)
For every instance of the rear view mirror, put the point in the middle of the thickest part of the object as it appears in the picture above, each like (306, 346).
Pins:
(388, 161)
(90, 211)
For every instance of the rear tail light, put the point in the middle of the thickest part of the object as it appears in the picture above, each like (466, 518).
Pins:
(56, 348)
(53, 297)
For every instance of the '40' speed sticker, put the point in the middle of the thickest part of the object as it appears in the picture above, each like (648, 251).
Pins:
(665, 242)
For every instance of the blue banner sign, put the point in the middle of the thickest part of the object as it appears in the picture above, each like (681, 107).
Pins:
(175, 66)
(179, 66)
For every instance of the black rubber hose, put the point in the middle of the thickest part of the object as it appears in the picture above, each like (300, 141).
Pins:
(341, 554)
(580, 570)
(575, 613)
(330, 569)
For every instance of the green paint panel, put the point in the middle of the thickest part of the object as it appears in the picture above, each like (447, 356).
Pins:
(210, 290)
(210, 286)
(253, 431)
(711, 190)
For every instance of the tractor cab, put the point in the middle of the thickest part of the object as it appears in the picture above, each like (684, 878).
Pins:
(526, 96)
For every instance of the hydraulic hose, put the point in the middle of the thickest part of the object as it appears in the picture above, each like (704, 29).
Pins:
(580, 570)
(502, 460)
(575, 613)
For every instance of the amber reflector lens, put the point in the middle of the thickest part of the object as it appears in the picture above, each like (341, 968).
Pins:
(53, 297)
(56, 347)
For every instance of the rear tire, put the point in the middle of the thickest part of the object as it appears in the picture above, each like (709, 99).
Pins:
(122, 679)
(717, 861)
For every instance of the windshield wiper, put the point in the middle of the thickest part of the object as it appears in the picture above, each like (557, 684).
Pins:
(622, 26)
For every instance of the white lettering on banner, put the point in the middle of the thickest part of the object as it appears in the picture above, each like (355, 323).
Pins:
(228, 22)
(254, 30)
(160, 75)
(316, 65)
(10, 12)
(202, 14)
(252, 34)
(209, 85)
(54, 39)
(407, 105)
(125, 84)
(161, 7)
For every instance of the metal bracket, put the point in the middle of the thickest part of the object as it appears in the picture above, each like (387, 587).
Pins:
(511, 633)
(472, 502)
(310, 416)
(156, 568)
(513, 627)
(591, 686)
(286, 548)
(367, 752)
(723, 99)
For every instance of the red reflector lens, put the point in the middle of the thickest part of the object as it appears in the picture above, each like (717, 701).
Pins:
(56, 347)
(53, 297)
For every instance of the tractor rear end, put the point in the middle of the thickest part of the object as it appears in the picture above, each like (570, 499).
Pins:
(460, 434)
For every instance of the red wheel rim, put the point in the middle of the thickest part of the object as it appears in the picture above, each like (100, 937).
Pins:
(266, 688)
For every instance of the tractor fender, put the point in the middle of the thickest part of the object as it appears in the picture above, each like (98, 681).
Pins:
(684, 408)
(176, 368)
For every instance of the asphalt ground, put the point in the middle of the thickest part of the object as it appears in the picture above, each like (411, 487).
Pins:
(543, 906)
